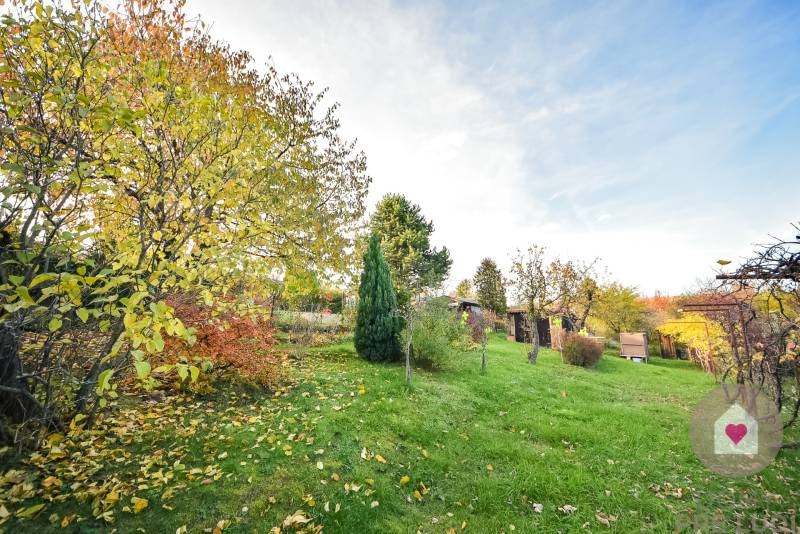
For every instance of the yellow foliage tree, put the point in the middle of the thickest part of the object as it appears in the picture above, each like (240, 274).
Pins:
(706, 339)
(138, 158)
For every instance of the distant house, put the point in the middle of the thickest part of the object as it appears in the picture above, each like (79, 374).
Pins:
(517, 321)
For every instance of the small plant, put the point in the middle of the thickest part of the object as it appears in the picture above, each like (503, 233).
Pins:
(436, 332)
(580, 350)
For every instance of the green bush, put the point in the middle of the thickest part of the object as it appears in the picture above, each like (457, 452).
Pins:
(437, 331)
(580, 350)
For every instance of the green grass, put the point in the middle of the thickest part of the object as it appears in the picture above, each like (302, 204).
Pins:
(610, 441)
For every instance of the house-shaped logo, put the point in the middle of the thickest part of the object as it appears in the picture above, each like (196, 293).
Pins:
(736, 432)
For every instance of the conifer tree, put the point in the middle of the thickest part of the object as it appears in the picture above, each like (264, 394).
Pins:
(377, 321)
(490, 287)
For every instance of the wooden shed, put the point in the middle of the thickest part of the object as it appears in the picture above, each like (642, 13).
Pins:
(666, 344)
(633, 345)
(517, 319)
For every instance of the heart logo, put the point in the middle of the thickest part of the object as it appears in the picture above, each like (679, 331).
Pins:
(736, 432)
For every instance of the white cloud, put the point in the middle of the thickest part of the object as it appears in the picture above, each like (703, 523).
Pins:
(428, 132)
(513, 150)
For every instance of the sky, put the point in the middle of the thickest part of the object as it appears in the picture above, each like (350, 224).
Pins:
(658, 137)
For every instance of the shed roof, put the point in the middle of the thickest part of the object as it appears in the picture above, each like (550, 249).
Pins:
(469, 302)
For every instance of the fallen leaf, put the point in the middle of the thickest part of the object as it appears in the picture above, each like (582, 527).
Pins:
(296, 518)
(605, 519)
(138, 504)
(28, 513)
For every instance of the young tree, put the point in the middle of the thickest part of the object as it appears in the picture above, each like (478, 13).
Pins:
(377, 321)
(540, 286)
(405, 238)
(485, 322)
(464, 289)
(620, 309)
(585, 299)
(490, 287)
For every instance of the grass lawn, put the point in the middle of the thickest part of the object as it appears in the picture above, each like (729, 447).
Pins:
(351, 449)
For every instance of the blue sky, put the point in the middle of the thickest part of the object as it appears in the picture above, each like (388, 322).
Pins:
(659, 137)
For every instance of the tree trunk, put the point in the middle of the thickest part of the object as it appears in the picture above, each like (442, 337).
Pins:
(534, 353)
(483, 358)
(16, 402)
(86, 392)
(409, 326)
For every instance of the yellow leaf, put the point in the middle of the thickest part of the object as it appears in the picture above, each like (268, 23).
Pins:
(380, 458)
(139, 504)
(28, 513)
(489, 467)
(405, 479)
(51, 481)
(157, 235)
(320, 466)
(335, 476)
(296, 518)
(374, 504)
(418, 495)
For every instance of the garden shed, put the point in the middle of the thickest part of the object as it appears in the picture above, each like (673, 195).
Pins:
(517, 318)
(633, 345)
(667, 346)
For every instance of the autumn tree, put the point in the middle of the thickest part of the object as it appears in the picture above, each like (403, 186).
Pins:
(619, 309)
(585, 299)
(705, 339)
(377, 321)
(490, 287)
(405, 239)
(540, 286)
(140, 160)
(760, 313)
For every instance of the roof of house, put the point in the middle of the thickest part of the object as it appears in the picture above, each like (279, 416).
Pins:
(552, 310)
(470, 302)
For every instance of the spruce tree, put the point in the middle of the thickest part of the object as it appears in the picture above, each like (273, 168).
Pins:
(377, 322)
(490, 287)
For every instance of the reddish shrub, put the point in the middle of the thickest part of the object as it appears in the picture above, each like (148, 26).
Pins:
(580, 350)
(478, 322)
(244, 343)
